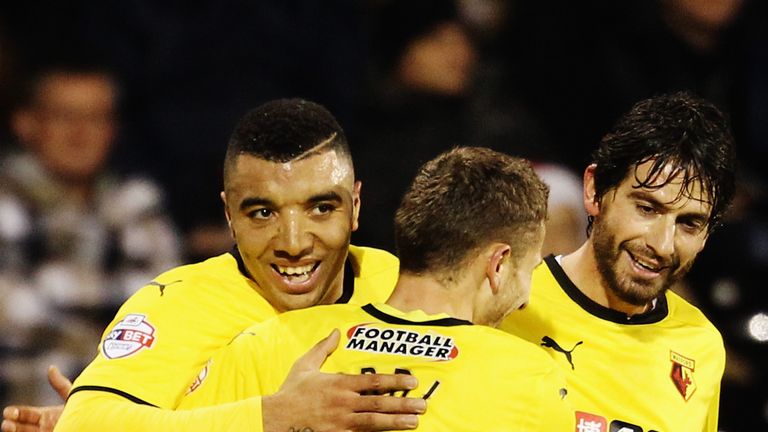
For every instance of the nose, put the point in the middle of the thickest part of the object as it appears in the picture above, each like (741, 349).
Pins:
(293, 237)
(661, 236)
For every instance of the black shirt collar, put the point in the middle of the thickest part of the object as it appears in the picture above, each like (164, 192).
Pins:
(658, 313)
(387, 318)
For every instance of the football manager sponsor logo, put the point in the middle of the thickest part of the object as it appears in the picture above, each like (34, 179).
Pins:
(398, 341)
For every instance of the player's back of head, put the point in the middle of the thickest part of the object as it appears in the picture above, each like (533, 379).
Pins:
(461, 201)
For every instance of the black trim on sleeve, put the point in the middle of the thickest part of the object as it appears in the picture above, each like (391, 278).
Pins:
(658, 313)
(383, 316)
(121, 393)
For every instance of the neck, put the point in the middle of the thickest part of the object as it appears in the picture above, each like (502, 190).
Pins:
(77, 189)
(581, 268)
(79, 192)
(428, 294)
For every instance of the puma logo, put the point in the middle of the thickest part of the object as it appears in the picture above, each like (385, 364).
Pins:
(548, 342)
(162, 286)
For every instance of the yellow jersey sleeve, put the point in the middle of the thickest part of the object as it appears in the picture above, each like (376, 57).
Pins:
(230, 374)
(713, 413)
(164, 334)
(100, 411)
(554, 411)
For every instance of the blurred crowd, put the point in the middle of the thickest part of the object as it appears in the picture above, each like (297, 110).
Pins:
(116, 117)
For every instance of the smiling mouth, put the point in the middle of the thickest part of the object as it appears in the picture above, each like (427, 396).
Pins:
(296, 274)
(645, 265)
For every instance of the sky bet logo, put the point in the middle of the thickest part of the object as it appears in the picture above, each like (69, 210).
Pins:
(129, 336)
(368, 338)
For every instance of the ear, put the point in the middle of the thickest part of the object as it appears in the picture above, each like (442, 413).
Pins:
(499, 258)
(223, 196)
(356, 204)
(591, 203)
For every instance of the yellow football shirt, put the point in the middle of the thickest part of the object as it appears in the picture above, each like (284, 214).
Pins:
(162, 336)
(658, 371)
(475, 378)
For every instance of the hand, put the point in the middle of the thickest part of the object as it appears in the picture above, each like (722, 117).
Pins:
(310, 400)
(22, 418)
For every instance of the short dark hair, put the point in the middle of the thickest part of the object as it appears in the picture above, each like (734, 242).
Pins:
(283, 130)
(677, 129)
(462, 200)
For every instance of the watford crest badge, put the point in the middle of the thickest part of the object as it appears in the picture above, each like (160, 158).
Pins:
(682, 374)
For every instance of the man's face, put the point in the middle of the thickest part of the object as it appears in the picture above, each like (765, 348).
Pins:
(71, 124)
(292, 223)
(440, 62)
(645, 240)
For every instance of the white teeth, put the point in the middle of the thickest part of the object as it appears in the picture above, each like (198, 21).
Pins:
(647, 266)
(291, 271)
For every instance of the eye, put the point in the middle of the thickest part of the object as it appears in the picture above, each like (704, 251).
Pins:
(323, 209)
(645, 209)
(261, 213)
(693, 225)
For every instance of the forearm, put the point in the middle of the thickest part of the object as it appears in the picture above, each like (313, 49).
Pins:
(98, 411)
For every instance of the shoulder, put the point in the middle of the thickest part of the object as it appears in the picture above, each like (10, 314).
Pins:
(683, 311)
(289, 330)
(321, 316)
(222, 266)
(543, 277)
(213, 276)
(370, 261)
(686, 315)
(528, 357)
(375, 272)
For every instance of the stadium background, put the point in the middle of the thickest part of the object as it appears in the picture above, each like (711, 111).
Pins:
(407, 79)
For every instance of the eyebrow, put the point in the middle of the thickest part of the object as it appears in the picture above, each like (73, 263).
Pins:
(255, 201)
(263, 202)
(645, 196)
(327, 196)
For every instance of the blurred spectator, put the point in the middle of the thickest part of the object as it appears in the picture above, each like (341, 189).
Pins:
(435, 86)
(75, 239)
(190, 69)
(566, 218)
(422, 67)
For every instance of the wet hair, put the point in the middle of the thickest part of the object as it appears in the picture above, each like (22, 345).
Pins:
(680, 130)
(463, 200)
(284, 130)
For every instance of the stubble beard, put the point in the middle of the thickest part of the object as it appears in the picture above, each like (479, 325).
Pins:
(637, 292)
